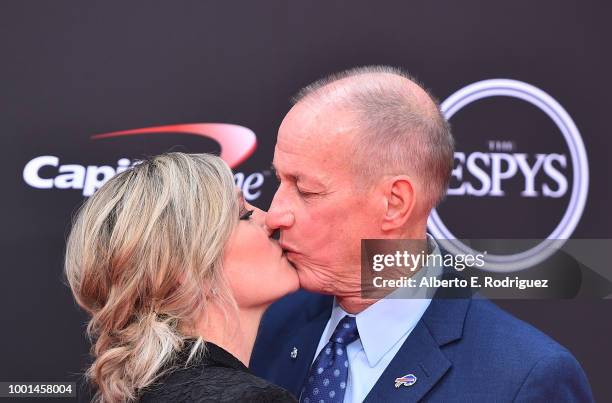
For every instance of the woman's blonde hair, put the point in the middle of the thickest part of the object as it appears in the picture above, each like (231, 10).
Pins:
(144, 259)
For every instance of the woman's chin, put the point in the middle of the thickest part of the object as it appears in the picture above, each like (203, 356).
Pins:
(283, 284)
(290, 275)
(290, 281)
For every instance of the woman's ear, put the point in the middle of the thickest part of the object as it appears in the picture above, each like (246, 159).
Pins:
(400, 203)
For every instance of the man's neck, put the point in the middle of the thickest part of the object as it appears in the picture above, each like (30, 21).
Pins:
(354, 303)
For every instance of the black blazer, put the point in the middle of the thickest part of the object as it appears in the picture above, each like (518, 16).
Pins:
(217, 376)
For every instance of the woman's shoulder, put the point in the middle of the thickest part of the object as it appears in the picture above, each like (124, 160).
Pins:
(214, 384)
(212, 379)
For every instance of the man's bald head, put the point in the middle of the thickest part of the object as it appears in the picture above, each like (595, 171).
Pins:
(400, 129)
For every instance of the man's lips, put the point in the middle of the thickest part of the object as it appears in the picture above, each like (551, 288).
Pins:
(286, 248)
(283, 250)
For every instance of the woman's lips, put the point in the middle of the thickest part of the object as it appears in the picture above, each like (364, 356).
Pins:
(282, 249)
(286, 248)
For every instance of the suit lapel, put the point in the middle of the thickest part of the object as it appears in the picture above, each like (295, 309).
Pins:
(305, 339)
(420, 356)
(421, 353)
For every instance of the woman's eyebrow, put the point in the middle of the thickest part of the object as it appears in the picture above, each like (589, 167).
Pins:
(240, 195)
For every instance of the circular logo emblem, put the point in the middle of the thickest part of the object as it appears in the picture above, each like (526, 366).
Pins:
(579, 190)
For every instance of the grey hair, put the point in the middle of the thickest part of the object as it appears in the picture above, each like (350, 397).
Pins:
(400, 130)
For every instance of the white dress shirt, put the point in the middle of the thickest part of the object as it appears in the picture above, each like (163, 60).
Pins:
(383, 328)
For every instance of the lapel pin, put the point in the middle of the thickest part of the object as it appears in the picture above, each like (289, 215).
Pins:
(294, 353)
(406, 380)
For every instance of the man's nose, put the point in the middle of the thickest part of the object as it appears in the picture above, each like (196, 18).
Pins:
(279, 215)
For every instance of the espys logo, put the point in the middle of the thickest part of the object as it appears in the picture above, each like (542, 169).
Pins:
(497, 171)
(237, 143)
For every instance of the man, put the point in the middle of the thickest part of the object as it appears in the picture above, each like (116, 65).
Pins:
(366, 154)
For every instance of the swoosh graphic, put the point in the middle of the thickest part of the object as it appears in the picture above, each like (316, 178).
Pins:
(237, 142)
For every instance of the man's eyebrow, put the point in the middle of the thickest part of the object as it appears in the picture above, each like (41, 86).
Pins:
(290, 176)
(275, 172)
(297, 178)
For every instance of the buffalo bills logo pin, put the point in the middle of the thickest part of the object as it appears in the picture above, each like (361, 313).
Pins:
(406, 380)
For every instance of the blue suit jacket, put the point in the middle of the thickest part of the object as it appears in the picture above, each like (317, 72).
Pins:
(465, 350)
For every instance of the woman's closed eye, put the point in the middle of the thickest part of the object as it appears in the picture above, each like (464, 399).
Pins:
(246, 214)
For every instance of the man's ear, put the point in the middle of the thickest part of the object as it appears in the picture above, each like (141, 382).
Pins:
(401, 200)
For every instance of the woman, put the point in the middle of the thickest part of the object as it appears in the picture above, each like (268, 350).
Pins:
(176, 270)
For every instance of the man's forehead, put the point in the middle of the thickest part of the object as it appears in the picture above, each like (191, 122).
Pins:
(314, 142)
(304, 169)
(318, 123)
(315, 139)
(313, 165)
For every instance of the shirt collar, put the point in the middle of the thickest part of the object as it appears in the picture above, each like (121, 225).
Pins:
(383, 324)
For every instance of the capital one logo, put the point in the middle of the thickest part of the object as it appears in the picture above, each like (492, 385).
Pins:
(485, 173)
(237, 144)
